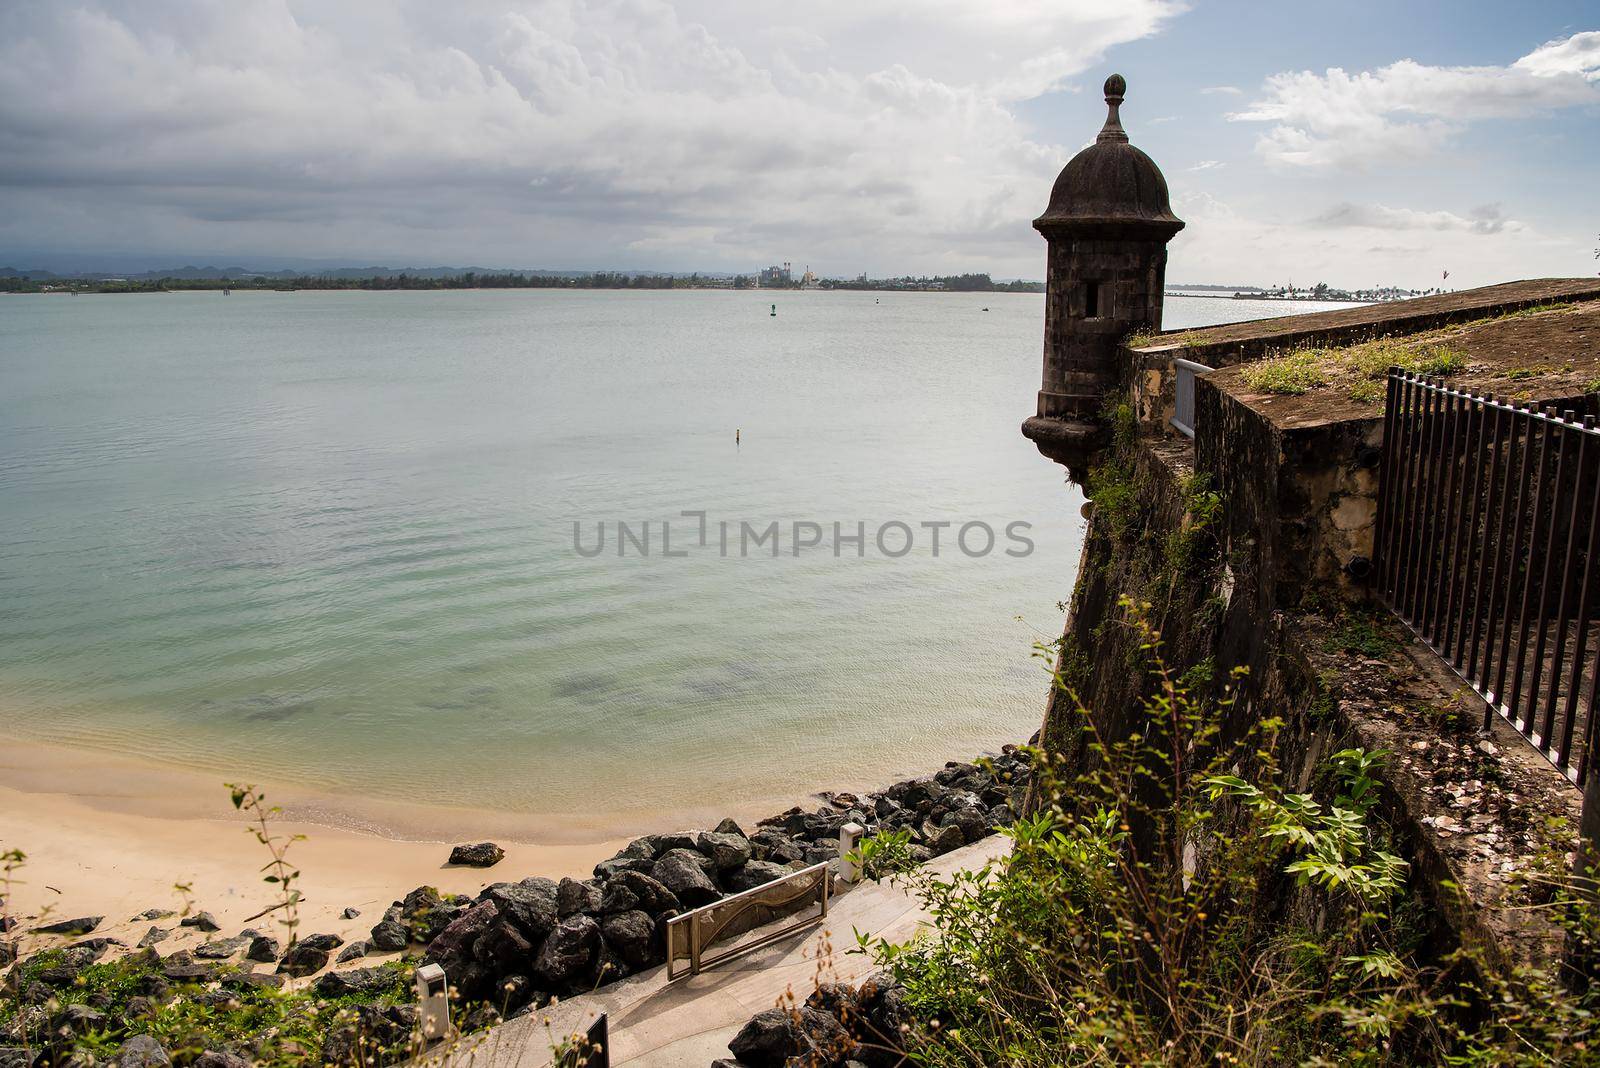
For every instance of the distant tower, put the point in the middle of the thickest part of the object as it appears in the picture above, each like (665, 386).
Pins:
(1107, 226)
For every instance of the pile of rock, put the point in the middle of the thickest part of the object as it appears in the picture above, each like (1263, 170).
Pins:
(838, 1026)
(517, 945)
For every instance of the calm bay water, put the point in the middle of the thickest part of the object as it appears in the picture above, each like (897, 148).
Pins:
(328, 537)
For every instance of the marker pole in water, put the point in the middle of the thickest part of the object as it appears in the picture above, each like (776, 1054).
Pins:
(736, 435)
(774, 309)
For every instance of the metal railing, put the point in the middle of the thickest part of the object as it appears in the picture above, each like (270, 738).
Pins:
(1183, 408)
(1488, 546)
(689, 935)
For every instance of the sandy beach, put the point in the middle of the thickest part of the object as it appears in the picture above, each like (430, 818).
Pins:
(108, 836)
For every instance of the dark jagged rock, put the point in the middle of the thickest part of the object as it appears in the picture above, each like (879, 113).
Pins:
(8, 953)
(201, 921)
(353, 951)
(303, 959)
(632, 935)
(775, 846)
(452, 949)
(972, 823)
(389, 934)
(354, 981)
(221, 949)
(516, 991)
(681, 871)
(573, 896)
(504, 949)
(253, 981)
(638, 855)
(80, 1019)
(942, 840)
(568, 951)
(426, 913)
(836, 999)
(820, 854)
(141, 1051)
(754, 874)
(81, 925)
(727, 851)
(608, 967)
(774, 1036)
(479, 855)
(90, 950)
(531, 905)
(155, 935)
(220, 1059)
(263, 948)
(881, 1013)
(635, 890)
(728, 826)
(675, 840)
(322, 941)
(154, 914)
(351, 913)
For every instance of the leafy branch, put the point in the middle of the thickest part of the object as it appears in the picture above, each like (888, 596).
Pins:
(280, 874)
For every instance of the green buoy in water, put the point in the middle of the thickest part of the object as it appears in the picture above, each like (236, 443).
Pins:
(774, 310)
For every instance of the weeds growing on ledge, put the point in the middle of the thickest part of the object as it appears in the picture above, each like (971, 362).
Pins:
(1358, 369)
(1178, 905)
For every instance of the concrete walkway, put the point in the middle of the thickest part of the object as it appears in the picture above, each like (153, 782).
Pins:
(689, 1023)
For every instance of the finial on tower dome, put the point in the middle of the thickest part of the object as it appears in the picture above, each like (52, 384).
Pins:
(1116, 85)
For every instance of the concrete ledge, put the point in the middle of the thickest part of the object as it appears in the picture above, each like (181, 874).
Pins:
(1473, 806)
(1221, 346)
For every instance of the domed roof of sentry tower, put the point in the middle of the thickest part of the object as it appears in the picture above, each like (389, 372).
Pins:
(1110, 189)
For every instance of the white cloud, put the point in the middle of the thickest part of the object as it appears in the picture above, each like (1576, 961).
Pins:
(545, 132)
(1486, 219)
(1359, 244)
(1407, 110)
(1222, 90)
(1578, 54)
(1207, 165)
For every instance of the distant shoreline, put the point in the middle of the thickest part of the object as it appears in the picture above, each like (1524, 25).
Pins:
(964, 283)
(1264, 296)
(422, 287)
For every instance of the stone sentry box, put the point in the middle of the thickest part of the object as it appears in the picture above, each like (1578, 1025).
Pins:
(1107, 227)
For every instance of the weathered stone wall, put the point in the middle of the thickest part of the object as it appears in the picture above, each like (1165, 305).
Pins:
(1259, 581)
(1302, 500)
(1080, 350)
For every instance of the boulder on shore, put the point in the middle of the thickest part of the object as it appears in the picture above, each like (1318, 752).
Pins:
(303, 959)
(681, 871)
(727, 851)
(569, 951)
(532, 905)
(772, 1037)
(479, 855)
(263, 948)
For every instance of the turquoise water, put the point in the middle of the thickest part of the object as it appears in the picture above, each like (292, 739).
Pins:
(328, 538)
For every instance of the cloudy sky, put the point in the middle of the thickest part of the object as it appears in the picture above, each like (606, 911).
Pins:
(1356, 143)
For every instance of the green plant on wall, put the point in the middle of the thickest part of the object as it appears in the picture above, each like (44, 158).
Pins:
(1154, 911)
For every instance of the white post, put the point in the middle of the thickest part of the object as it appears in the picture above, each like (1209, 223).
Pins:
(433, 1003)
(849, 837)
